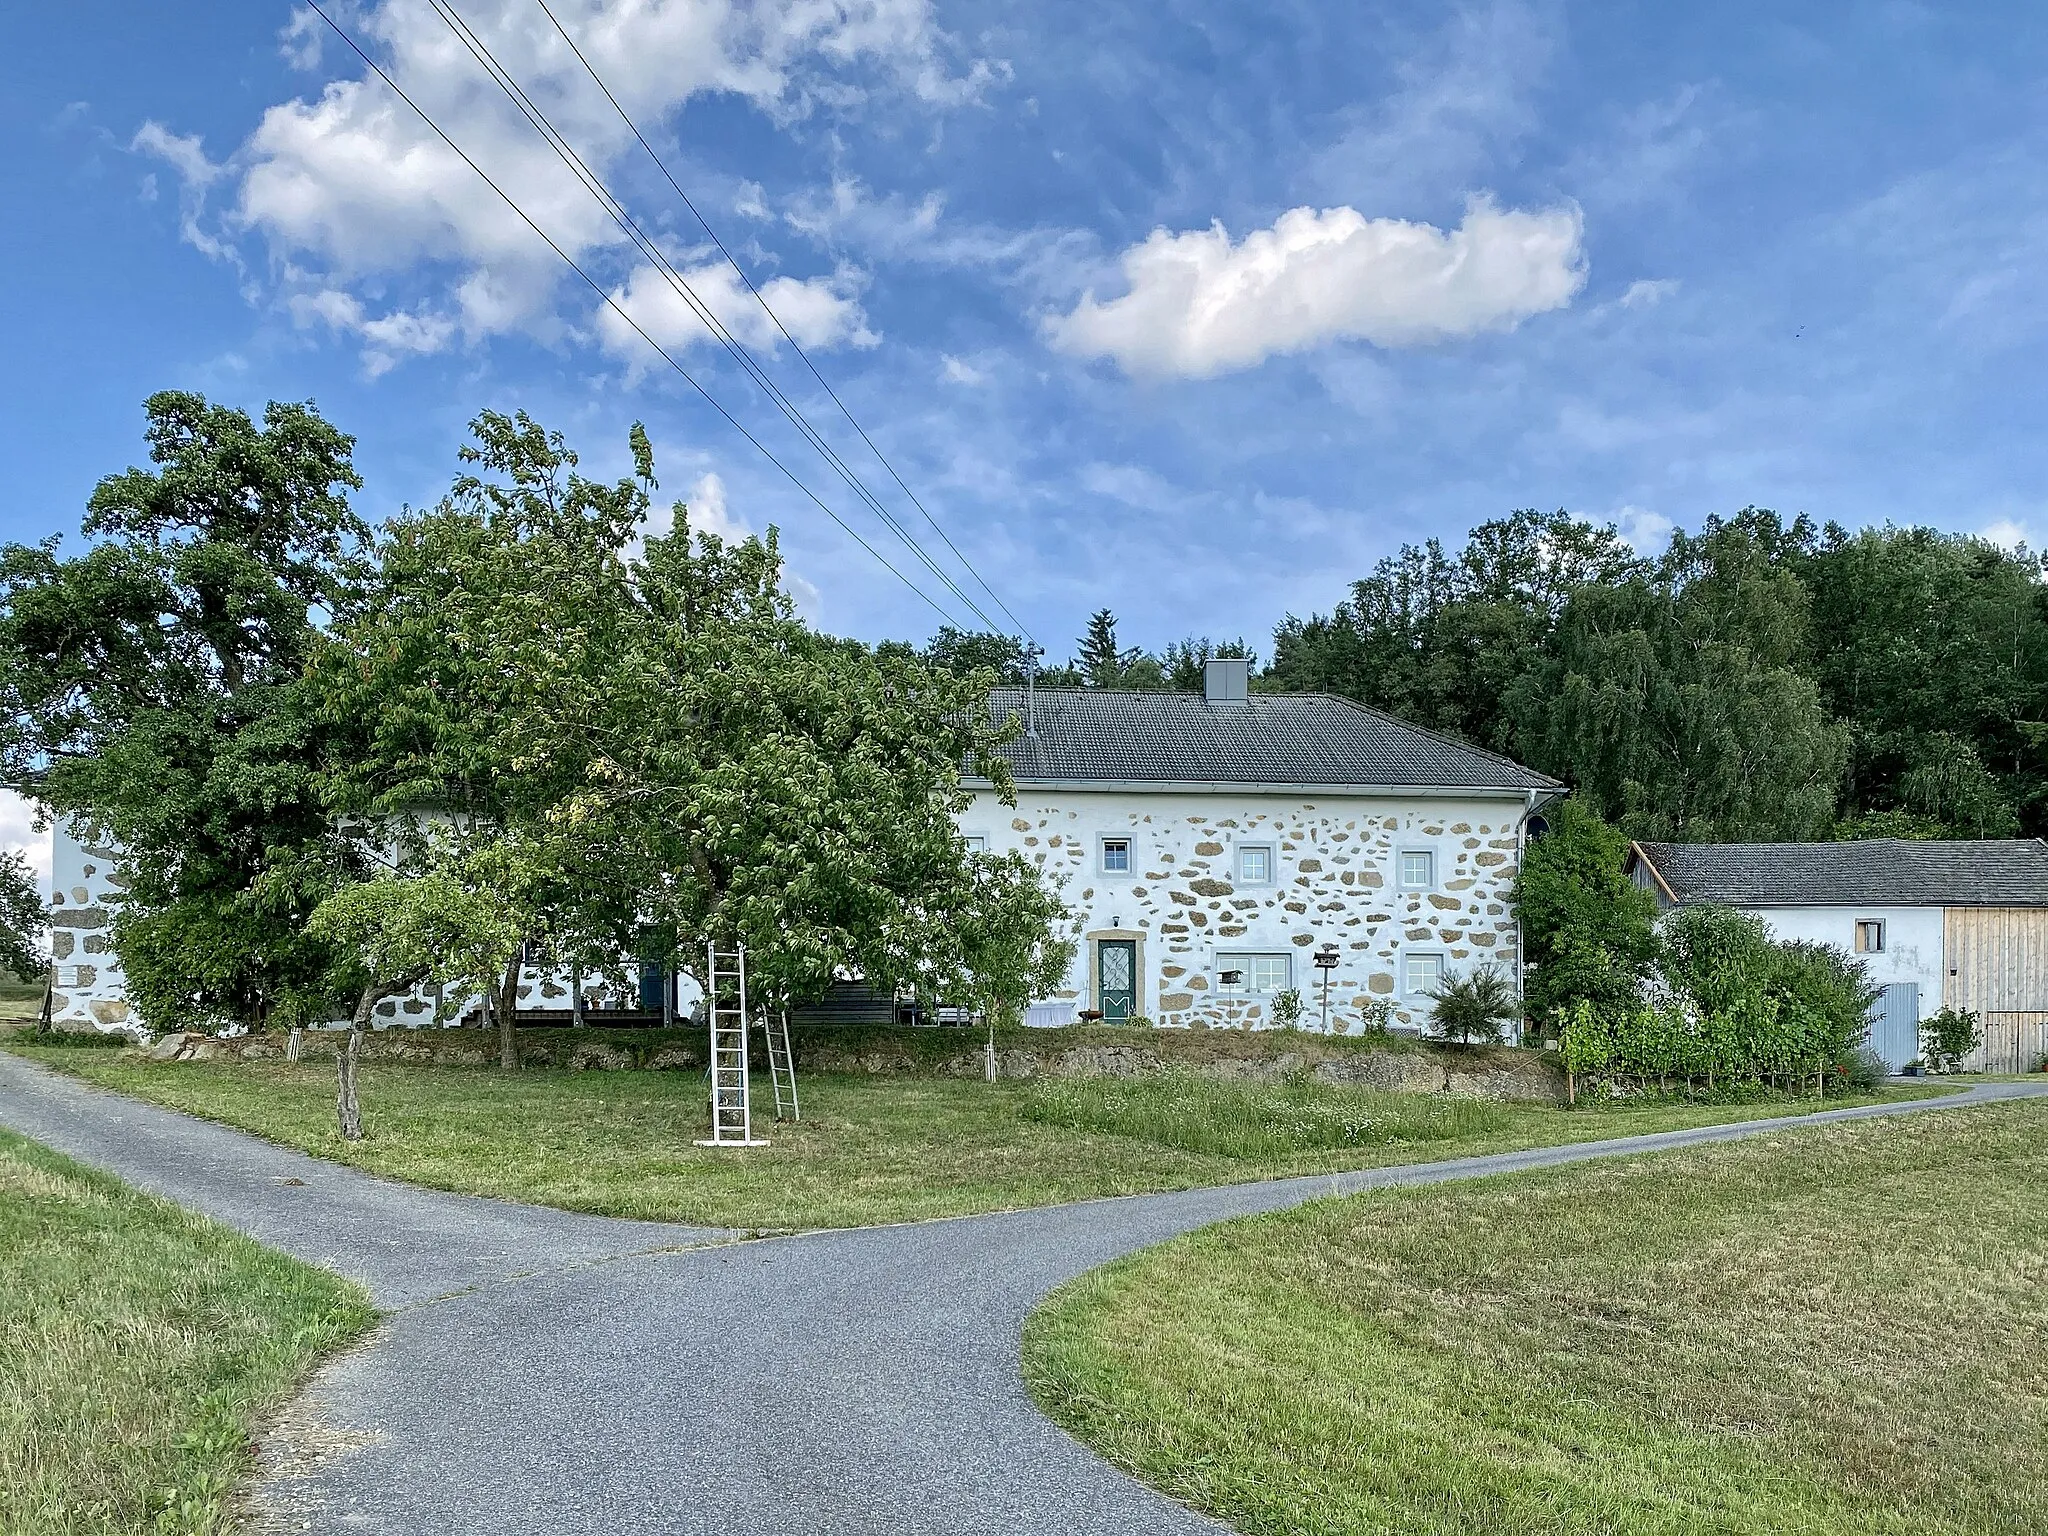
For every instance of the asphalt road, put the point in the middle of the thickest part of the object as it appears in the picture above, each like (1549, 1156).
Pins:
(548, 1373)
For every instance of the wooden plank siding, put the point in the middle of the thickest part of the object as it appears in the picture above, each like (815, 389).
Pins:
(1996, 959)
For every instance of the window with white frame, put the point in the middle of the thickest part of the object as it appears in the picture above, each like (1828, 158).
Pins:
(975, 842)
(1254, 864)
(1422, 972)
(1116, 855)
(1255, 973)
(1870, 936)
(1418, 869)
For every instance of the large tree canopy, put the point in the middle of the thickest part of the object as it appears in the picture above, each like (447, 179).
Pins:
(662, 751)
(1760, 679)
(152, 690)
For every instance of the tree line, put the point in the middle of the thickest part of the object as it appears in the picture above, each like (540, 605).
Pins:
(341, 762)
(1762, 679)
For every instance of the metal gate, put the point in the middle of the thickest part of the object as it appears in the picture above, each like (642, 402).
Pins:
(1895, 1024)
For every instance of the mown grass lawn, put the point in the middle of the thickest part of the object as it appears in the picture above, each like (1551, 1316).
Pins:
(1840, 1329)
(139, 1344)
(869, 1150)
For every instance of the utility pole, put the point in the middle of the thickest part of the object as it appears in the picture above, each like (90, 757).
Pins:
(1031, 654)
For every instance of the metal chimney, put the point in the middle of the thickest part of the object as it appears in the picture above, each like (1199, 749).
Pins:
(1226, 679)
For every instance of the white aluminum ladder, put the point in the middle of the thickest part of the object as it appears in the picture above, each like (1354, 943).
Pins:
(781, 1065)
(725, 1009)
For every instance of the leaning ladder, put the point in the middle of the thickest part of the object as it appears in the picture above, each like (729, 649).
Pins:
(725, 1007)
(781, 1065)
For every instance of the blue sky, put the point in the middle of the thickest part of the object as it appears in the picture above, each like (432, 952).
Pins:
(1190, 311)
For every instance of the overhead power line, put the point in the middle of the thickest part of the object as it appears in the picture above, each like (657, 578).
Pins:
(605, 295)
(658, 260)
(795, 346)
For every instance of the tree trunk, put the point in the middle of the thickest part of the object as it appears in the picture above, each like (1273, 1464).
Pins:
(991, 1047)
(576, 995)
(508, 1006)
(1571, 1088)
(348, 1112)
(293, 1039)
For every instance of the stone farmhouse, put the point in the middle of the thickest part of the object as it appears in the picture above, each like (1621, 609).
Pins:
(1961, 924)
(1208, 847)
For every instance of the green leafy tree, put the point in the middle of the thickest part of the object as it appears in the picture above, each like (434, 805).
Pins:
(1183, 665)
(23, 919)
(151, 689)
(471, 657)
(646, 750)
(1588, 933)
(393, 933)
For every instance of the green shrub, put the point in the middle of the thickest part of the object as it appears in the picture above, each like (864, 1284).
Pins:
(1474, 1006)
(1947, 1037)
(1861, 1071)
(1287, 1009)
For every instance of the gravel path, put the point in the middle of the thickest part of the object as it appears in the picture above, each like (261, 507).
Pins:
(580, 1375)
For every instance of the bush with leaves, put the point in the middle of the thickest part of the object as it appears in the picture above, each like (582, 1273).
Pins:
(1589, 933)
(1475, 1006)
(1947, 1038)
(1287, 1009)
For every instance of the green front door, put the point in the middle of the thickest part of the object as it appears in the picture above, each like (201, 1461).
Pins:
(1116, 977)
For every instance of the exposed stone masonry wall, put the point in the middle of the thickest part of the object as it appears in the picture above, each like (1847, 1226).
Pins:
(1335, 881)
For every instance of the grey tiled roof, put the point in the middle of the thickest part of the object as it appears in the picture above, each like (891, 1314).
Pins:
(1105, 735)
(1877, 872)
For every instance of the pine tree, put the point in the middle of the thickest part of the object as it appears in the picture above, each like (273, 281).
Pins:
(1101, 663)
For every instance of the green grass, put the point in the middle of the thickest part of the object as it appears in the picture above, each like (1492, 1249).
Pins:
(869, 1150)
(139, 1344)
(1259, 1120)
(1837, 1329)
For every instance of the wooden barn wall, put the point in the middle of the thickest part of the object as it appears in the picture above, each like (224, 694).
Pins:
(1997, 964)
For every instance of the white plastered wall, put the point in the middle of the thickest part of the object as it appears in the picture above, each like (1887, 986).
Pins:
(1912, 942)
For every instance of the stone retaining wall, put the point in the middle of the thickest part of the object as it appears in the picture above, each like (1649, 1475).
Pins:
(1402, 1067)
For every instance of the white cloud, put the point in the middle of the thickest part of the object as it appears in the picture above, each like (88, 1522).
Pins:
(2006, 534)
(350, 192)
(1199, 305)
(954, 371)
(18, 834)
(390, 337)
(1648, 533)
(817, 312)
(1133, 485)
(1648, 292)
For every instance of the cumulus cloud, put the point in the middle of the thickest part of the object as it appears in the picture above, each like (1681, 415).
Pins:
(956, 371)
(1199, 305)
(351, 193)
(817, 312)
(2007, 534)
(1648, 533)
(18, 834)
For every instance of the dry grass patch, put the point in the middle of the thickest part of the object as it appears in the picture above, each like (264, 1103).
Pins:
(138, 1345)
(1832, 1330)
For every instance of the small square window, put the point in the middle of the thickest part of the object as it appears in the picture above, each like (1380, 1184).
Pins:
(1418, 870)
(1255, 973)
(1870, 936)
(1421, 974)
(975, 842)
(1116, 855)
(1254, 864)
